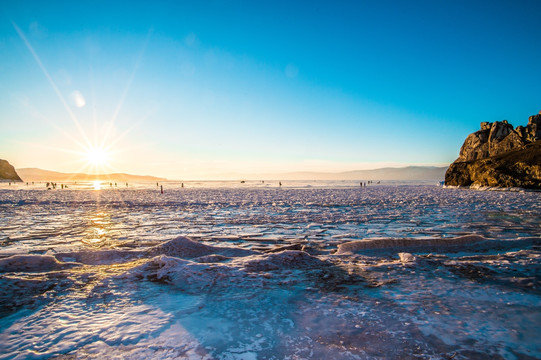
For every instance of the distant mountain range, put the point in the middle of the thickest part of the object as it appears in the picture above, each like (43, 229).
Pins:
(405, 173)
(34, 174)
(389, 173)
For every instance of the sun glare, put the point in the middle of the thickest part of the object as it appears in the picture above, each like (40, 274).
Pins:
(97, 156)
(96, 184)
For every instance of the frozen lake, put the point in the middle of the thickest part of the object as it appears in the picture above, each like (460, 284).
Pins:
(256, 271)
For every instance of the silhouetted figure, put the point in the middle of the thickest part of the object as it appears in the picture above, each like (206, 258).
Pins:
(115, 185)
(62, 186)
(47, 185)
(10, 183)
(126, 184)
(280, 183)
(182, 185)
(156, 184)
(161, 187)
(26, 184)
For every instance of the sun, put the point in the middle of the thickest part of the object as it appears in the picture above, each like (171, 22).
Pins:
(96, 184)
(97, 156)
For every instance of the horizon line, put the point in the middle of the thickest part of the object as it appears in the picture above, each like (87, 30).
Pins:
(237, 176)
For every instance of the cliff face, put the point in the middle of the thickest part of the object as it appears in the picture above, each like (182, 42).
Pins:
(500, 156)
(7, 172)
(498, 138)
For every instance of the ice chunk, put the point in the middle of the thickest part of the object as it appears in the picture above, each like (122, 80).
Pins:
(32, 263)
(406, 257)
(184, 247)
(395, 244)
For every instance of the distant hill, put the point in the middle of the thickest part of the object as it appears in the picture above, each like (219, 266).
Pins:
(34, 174)
(406, 173)
(7, 172)
(390, 173)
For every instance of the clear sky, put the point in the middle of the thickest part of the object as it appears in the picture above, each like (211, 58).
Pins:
(195, 89)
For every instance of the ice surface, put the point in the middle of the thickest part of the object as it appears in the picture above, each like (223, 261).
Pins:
(329, 271)
(287, 259)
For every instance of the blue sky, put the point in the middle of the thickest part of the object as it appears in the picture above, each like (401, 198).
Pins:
(200, 89)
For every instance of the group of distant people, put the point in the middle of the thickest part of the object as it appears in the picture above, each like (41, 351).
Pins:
(53, 185)
(161, 186)
(182, 185)
(368, 182)
(26, 183)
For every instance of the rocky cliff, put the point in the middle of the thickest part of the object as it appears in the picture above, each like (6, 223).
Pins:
(499, 155)
(7, 172)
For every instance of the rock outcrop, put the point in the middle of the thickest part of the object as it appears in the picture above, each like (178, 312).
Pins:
(7, 172)
(500, 156)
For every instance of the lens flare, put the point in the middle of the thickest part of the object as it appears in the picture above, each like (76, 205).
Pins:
(97, 156)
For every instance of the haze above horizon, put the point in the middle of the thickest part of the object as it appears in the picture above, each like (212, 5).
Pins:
(196, 89)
